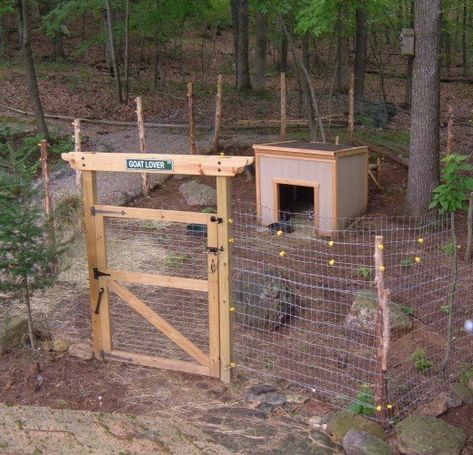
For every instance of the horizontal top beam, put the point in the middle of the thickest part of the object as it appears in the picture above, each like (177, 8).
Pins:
(226, 166)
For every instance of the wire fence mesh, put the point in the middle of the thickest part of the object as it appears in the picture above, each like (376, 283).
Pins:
(305, 304)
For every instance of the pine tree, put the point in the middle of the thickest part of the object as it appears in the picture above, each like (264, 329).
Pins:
(26, 257)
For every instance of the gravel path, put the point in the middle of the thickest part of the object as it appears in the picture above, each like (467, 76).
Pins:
(118, 188)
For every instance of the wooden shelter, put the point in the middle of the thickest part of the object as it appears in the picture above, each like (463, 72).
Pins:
(330, 180)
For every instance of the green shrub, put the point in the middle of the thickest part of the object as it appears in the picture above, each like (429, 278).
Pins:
(421, 361)
(364, 403)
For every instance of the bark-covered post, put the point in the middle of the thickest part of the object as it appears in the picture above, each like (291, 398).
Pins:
(382, 334)
(143, 146)
(283, 133)
(48, 203)
(190, 96)
(77, 149)
(218, 113)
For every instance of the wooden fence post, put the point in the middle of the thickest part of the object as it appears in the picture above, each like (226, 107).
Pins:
(218, 113)
(283, 133)
(77, 148)
(225, 280)
(143, 146)
(382, 334)
(469, 238)
(90, 200)
(190, 96)
(48, 204)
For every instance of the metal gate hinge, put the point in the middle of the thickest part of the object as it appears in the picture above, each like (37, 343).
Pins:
(216, 219)
(214, 250)
(98, 273)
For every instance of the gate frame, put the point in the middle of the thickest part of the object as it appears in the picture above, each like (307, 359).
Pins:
(221, 167)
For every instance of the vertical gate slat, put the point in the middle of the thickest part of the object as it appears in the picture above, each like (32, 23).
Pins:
(104, 314)
(214, 317)
(225, 295)
(90, 199)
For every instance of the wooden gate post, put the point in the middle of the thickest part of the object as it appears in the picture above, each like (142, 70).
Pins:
(225, 282)
(90, 200)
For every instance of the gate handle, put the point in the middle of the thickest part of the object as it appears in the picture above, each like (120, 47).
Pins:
(97, 307)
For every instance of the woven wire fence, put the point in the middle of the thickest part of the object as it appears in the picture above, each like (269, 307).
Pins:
(306, 306)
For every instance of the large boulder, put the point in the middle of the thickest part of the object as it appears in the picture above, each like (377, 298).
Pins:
(263, 300)
(379, 112)
(420, 435)
(196, 193)
(364, 443)
(345, 421)
(363, 313)
(13, 333)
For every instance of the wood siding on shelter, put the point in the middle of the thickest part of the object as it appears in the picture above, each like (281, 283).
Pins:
(340, 174)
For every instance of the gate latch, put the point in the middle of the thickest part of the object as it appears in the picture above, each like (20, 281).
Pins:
(98, 273)
(99, 299)
(214, 250)
(216, 219)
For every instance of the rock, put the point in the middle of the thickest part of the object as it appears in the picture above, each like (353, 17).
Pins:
(462, 392)
(344, 421)
(362, 315)
(363, 443)
(256, 393)
(316, 444)
(420, 435)
(60, 345)
(434, 408)
(264, 300)
(379, 112)
(13, 333)
(470, 384)
(315, 422)
(81, 351)
(297, 398)
(274, 399)
(196, 193)
(46, 345)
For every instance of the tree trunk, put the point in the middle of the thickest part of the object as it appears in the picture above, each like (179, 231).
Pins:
(464, 31)
(156, 64)
(2, 38)
(113, 53)
(410, 62)
(30, 68)
(243, 46)
(360, 55)
(283, 56)
(261, 50)
(235, 6)
(306, 50)
(126, 59)
(425, 111)
(342, 55)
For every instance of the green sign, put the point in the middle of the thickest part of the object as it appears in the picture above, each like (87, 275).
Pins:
(149, 165)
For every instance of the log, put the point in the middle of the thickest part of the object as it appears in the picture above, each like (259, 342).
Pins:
(382, 151)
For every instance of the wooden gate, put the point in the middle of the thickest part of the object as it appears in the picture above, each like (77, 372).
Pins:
(104, 281)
